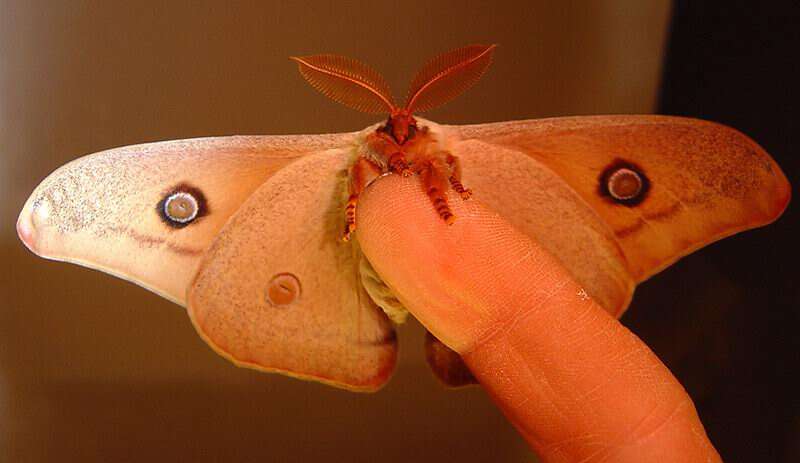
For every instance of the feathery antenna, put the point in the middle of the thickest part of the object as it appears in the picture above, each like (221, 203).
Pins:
(348, 82)
(447, 76)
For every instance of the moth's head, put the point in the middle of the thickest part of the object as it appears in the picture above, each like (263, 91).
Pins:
(401, 126)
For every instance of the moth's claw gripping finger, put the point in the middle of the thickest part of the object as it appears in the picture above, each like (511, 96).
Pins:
(399, 165)
(348, 232)
(465, 193)
(401, 168)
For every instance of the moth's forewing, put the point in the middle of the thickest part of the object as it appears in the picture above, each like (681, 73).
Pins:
(106, 210)
(705, 181)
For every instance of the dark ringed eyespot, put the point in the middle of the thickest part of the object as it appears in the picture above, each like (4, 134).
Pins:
(182, 205)
(283, 289)
(624, 183)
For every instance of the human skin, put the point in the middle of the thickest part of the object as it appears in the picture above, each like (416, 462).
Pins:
(576, 383)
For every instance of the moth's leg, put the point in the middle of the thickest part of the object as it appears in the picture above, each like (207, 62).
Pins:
(455, 176)
(434, 178)
(361, 173)
(399, 165)
(446, 364)
(395, 158)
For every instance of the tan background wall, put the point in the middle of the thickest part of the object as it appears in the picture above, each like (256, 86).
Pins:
(96, 369)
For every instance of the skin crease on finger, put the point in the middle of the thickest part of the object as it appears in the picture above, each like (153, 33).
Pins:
(577, 384)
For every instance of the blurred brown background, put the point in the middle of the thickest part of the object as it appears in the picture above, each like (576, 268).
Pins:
(96, 369)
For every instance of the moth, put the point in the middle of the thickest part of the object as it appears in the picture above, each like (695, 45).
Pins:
(254, 234)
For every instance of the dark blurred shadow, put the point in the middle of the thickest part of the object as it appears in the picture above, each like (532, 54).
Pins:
(725, 319)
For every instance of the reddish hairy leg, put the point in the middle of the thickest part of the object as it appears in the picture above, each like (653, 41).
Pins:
(434, 178)
(399, 165)
(361, 173)
(455, 176)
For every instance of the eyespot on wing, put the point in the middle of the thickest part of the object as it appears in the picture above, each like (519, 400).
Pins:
(706, 181)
